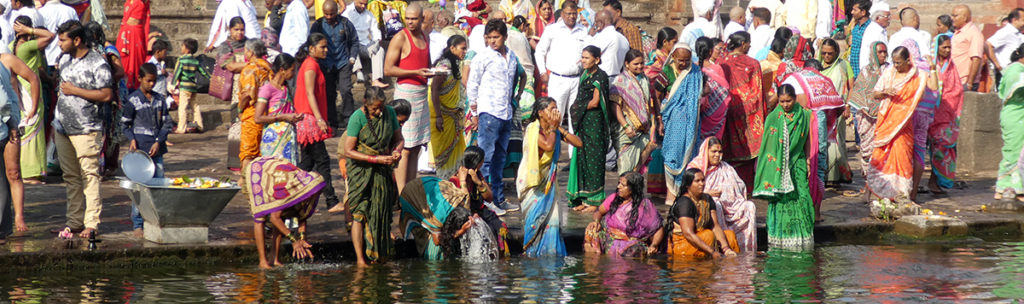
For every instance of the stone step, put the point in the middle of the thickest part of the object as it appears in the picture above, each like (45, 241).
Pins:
(930, 226)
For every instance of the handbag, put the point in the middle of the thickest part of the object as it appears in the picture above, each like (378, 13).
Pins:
(221, 80)
(307, 132)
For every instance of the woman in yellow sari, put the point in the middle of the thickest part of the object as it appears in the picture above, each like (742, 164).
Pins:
(445, 98)
(899, 89)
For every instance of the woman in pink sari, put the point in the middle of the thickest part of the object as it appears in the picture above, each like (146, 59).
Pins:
(714, 101)
(625, 222)
(945, 129)
(735, 211)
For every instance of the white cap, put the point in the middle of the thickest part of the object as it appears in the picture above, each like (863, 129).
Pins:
(879, 6)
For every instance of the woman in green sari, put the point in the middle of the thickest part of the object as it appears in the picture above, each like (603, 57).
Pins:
(373, 144)
(590, 122)
(1009, 184)
(839, 71)
(782, 176)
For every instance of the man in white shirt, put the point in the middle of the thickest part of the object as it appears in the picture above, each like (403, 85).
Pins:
(225, 11)
(701, 25)
(476, 41)
(823, 24)
(1001, 44)
(875, 31)
(714, 20)
(490, 91)
(911, 21)
(761, 36)
(559, 52)
(6, 29)
(25, 8)
(439, 41)
(56, 14)
(773, 6)
(737, 18)
(296, 27)
(613, 45)
(803, 15)
(371, 54)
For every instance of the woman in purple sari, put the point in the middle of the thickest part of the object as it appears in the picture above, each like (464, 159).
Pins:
(625, 222)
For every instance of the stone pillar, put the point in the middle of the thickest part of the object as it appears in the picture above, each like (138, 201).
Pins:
(980, 143)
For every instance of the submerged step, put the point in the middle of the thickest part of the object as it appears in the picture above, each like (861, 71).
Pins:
(930, 226)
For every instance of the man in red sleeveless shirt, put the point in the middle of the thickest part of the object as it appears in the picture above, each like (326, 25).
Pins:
(408, 60)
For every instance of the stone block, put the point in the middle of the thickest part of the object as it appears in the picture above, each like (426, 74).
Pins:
(1011, 206)
(980, 137)
(175, 235)
(930, 226)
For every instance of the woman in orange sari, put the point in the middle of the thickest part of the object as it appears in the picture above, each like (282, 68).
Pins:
(131, 40)
(899, 89)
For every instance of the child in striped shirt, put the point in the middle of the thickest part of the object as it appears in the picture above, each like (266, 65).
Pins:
(185, 79)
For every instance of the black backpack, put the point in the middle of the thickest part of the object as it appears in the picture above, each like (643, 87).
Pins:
(206, 63)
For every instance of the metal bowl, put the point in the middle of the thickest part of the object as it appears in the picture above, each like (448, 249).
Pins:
(137, 166)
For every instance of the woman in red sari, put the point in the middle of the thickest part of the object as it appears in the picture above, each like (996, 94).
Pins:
(744, 121)
(545, 15)
(131, 41)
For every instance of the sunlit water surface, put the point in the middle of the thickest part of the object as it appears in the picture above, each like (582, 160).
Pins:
(981, 272)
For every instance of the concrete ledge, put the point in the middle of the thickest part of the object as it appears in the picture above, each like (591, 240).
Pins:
(930, 226)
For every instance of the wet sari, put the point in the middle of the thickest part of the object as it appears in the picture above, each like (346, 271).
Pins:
(891, 168)
(586, 169)
(623, 231)
(825, 106)
(277, 185)
(838, 170)
(865, 108)
(735, 211)
(535, 183)
(635, 103)
(714, 105)
(371, 187)
(679, 246)
(945, 129)
(681, 116)
(1011, 123)
(426, 203)
(447, 145)
(781, 178)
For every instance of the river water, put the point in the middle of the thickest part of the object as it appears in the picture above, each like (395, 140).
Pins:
(966, 272)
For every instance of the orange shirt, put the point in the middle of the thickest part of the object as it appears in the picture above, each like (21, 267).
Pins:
(967, 43)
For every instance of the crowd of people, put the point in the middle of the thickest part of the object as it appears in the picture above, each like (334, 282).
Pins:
(710, 116)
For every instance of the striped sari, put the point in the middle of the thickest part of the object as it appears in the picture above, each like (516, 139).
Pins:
(634, 103)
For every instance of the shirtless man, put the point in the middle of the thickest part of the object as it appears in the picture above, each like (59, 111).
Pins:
(408, 60)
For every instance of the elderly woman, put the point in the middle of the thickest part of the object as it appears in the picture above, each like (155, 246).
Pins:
(625, 222)
(281, 191)
(256, 72)
(864, 108)
(680, 115)
(693, 224)
(721, 182)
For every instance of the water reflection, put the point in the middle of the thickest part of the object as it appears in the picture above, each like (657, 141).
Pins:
(983, 272)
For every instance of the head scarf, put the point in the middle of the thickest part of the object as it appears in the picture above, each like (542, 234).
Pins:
(915, 54)
(796, 53)
(701, 161)
(681, 46)
(860, 94)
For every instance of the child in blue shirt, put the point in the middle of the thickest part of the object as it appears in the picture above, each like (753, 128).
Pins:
(145, 121)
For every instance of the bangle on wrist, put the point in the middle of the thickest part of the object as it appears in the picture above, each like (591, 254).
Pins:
(291, 236)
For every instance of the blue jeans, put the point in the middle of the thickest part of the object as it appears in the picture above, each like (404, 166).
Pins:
(137, 221)
(493, 136)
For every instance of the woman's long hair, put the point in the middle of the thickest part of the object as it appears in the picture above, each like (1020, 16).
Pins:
(688, 176)
(635, 182)
(471, 159)
(453, 60)
(313, 40)
(703, 49)
(451, 247)
(664, 35)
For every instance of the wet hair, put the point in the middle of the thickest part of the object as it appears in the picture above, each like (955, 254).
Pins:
(147, 68)
(373, 94)
(593, 51)
(567, 4)
(24, 20)
(782, 36)
(257, 47)
(737, 39)
(541, 104)
(703, 49)
(633, 54)
(902, 52)
(282, 62)
(1017, 54)
(830, 43)
(687, 180)
(786, 89)
(472, 157)
(191, 45)
(814, 64)
(236, 21)
(453, 60)
(496, 26)
(160, 45)
(402, 107)
(864, 5)
(74, 29)
(635, 182)
(666, 34)
(313, 40)
(451, 247)
(946, 21)
(518, 22)
(762, 14)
